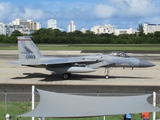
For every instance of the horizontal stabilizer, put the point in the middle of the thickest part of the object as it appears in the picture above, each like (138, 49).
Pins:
(15, 62)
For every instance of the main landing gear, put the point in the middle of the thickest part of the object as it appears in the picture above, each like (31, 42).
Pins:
(66, 76)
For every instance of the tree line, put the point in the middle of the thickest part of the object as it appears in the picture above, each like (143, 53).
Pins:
(50, 36)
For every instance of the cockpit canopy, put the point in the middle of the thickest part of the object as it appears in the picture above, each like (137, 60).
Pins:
(118, 54)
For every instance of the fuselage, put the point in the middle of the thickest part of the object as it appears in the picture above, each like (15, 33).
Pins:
(91, 63)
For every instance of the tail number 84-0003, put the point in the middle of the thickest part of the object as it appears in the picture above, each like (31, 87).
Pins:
(30, 56)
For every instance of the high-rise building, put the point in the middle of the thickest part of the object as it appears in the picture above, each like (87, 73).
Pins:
(52, 24)
(151, 28)
(71, 26)
(2, 32)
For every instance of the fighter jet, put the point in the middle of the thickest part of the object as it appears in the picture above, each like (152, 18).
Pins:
(29, 55)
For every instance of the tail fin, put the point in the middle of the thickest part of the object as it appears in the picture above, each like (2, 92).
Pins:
(28, 51)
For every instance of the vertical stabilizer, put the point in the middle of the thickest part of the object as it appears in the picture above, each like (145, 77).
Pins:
(28, 51)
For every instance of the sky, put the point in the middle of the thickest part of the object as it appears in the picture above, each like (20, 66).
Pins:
(123, 14)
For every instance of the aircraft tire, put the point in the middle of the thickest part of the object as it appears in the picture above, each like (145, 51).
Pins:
(107, 76)
(65, 76)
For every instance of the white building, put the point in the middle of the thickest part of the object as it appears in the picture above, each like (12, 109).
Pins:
(151, 28)
(16, 22)
(38, 25)
(124, 31)
(83, 30)
(99, 29)
(71, 26)
(2, 25)
(27, 27)
(52, 24)
(9, 28)
(29, 24)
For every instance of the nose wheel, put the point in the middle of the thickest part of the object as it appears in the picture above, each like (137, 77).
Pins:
(66, 76)
(108, 71)
(107, 76)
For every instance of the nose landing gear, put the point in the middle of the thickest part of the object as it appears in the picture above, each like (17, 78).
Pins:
(108, 71)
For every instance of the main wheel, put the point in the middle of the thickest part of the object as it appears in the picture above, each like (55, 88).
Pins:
(66, 76)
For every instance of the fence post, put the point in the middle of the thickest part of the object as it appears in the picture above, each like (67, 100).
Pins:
(154, 104)
(33, 94)
(6, 106)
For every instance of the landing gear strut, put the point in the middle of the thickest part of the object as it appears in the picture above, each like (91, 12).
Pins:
(108, 71)
(66, 76)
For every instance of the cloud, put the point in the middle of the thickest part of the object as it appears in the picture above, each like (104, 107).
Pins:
(4, 11)
(10, 12)
(120, 13)
(135, 8)
(104, 11)
(144, 8)
(127, 8)
(129, 12)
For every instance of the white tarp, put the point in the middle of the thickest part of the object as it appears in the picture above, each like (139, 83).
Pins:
(65, 105)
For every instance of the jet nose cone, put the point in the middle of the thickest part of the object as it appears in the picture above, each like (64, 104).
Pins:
(143, 63)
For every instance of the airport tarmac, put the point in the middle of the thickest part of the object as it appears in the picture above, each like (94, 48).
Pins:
(16, 74)
(19, 79)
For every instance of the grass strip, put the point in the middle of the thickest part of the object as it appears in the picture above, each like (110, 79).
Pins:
(17, 108)
(120, 47)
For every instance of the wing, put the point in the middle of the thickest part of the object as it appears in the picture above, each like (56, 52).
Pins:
(89, 62)
(60, 61)
(68, 61)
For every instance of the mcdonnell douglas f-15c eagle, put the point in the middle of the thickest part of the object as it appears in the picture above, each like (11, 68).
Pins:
(29, 55)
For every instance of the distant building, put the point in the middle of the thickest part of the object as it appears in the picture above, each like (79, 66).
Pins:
(9, 28)
(99, 29)
(151, 28)
(71, 26)
(16, 22)
(60, 29)
(83, 30)
(29, 24)
(25, 27)
(124, 31)
(2, 25)
(52, 24)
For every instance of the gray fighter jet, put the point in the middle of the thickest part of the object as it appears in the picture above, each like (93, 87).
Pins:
(29, 55)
